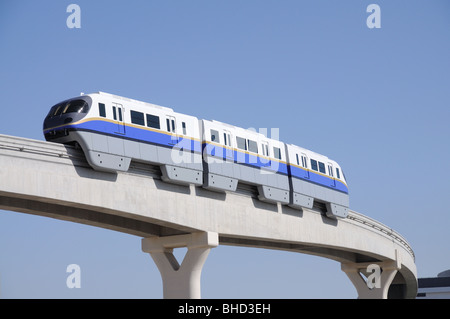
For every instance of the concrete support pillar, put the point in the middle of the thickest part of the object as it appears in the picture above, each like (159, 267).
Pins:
(379, 277)
(181, 281)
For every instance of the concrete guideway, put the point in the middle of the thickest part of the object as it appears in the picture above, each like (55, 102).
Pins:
(54, 180)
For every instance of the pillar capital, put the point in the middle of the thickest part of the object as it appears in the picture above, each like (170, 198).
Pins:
(192, 240)
(377, 278)
(181, 281)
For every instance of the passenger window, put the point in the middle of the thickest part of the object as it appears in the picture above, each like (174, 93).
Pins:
(215, 136)
(265, 148)
(241, 143)
(276, 152)
(153, 121)
(227, 138)
(114, 113)
(136, 117)
(170, 121)
(101, 110)
(183, 125)
(314, 165)
(330, 170)
(252, 146)
(338, 175)
(120, 114)
(298, 162)
(322, 167)
(304, 161)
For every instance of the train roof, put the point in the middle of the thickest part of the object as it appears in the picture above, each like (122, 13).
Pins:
(117, 97)
(317, 155)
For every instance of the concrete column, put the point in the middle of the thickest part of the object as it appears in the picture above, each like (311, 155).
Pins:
(181, 281)
(379, 277)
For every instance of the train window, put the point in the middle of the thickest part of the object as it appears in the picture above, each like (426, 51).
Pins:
(321, 167)
(137, 118)
(153, 121)
(338, 175)
(276, 152)
(241, 143)
(252, 146)
(215, 136)
(59, 110)
(120, 113)
(114, 113)
(183, 126)
(330, 170)
(298, 162)
(227, 138)
(304, 161)
(65, 108)
(314, 165)
(265, 148)
(101, 110)
(73, 106)
(54, 110)
(76, 106)
(168, 122)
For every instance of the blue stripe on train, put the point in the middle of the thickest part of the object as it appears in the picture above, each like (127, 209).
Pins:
(148, 136)
(272, 165)
(134, 133)
(244, 158)
(317, 178)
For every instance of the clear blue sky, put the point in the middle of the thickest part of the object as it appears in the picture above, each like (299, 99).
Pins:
(375, 100)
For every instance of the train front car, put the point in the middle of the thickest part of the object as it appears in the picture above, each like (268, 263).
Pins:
(80, 121)
(113, 131)
(62, 119)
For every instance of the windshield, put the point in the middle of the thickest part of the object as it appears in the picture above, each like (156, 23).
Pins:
(71, 106)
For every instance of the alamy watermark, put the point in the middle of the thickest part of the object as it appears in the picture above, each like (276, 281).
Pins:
(74, 279)
(374, 19)
(374, 279)
(74, 19)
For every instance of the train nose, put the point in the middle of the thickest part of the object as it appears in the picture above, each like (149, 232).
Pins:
(62, 115)
(67, 112)
(68, 120)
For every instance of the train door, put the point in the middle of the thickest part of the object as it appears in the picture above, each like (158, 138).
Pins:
(331, 174)
(305, 165)
(228, 148)
(265, 161)
(171, 128)
(118, 114)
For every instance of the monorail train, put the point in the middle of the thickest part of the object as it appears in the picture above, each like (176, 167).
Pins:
(112, 131)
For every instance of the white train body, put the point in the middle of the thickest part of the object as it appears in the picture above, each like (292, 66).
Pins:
(113, 131)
